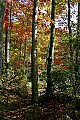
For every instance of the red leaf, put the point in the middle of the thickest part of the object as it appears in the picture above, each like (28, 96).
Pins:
(57, 61)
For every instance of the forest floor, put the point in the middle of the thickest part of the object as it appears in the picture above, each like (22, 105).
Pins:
(56, 106)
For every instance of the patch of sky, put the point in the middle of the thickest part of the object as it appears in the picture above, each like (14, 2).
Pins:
(25, 2)
(62, 20)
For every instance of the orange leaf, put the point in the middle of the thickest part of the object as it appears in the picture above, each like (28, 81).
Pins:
(8, 1)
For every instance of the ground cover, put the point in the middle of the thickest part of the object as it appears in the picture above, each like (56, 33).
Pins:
(56, 106)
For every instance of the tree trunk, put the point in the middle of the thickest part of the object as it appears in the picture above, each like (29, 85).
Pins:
(77, 63)
(7, 41)
(2, 8)
(78, 43)
(34, 69)
(51, 51)
(70, 34)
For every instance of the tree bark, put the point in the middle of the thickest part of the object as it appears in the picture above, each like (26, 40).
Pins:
(7, 40)
(70, 34)
(78, 41)
(50, 58)
(77, 63)
(34, 69)
(2, 8)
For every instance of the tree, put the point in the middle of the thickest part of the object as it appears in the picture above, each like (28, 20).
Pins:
(78, 33)
(78, 42)
(51, 50)
(2, 8)
(77, 61)
(7, 21)
(70, 33)
(34, 70)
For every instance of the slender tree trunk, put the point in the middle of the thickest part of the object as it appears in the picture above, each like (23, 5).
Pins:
(71, 50)
(34, 69)
(2, 8)
(9, 35)
(25, 54)
(78, 32)
(77, 64)
(51, 51)
(25, 43)
(70, 41)
(7, 41)
(78, 41)
(70, 33)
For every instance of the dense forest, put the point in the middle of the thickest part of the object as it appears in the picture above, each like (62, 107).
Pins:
(40, 59)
